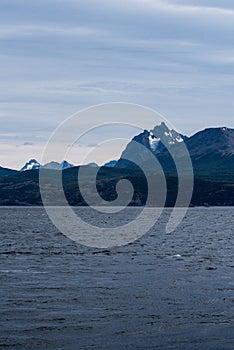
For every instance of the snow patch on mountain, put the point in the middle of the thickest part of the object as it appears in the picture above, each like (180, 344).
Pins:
(153, 141)
(179, 139)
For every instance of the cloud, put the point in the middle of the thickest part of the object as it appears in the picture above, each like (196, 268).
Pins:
(184, 7)
(30, 30)
(28, 144)
(57, 58)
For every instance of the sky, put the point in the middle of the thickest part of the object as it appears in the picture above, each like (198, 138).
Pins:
(58, 57)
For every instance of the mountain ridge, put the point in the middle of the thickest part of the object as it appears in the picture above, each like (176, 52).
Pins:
(215, 141)
(33, 164)
(211, 150)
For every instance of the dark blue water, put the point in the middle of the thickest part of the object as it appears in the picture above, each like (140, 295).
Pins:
(164, 291)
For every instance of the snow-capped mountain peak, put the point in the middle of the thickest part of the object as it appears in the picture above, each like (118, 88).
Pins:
(158, 140)
(31, 165)
(58, 166)
(161, 136)
(34, 164)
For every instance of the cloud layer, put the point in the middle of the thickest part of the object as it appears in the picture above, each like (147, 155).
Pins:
(58, 57)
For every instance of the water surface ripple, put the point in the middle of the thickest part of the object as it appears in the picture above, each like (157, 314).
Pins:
(164, 291)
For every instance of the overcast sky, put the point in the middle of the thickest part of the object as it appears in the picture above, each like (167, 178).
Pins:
(57, 57)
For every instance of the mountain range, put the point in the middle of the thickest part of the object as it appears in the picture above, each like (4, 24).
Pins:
(211, 151)
(34, 164)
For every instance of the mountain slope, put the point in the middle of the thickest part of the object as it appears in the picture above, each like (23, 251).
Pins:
(7, 172)
(211, 141)
(212, 152)
(23, 188)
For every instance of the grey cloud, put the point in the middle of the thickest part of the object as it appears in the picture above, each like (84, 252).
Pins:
(28, 143)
